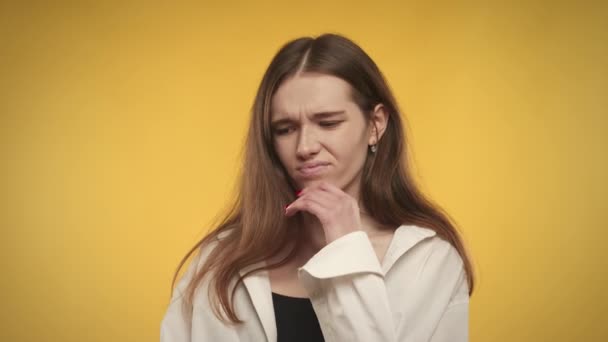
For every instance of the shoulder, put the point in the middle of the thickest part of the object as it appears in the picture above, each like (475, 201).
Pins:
(215, 238)
(210, 243)
(433, 259)
(427, 244)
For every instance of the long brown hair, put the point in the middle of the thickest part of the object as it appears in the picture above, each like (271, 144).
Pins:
(255, 219)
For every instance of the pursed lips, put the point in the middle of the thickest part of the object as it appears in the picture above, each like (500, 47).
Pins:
(311, 165)
(312, 169)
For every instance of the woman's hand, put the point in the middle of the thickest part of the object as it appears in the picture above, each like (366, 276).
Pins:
(337, 211)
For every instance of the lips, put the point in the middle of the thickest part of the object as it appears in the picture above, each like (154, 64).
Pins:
(313, 169)
(311, 165)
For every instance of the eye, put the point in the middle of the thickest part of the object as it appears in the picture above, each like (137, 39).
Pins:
(329, 123)
(282, 131)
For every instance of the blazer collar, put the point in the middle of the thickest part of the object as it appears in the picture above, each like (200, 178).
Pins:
(260, 292)
(406, 237)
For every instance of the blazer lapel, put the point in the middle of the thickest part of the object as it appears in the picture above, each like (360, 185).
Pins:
(405, 238)
(258, 286)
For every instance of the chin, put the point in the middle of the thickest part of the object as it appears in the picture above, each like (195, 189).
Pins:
(302, 183)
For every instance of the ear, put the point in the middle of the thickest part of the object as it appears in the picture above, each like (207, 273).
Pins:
(378, 122)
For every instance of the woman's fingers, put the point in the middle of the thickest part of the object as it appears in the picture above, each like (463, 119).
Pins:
(337, 210)
(308, 203)
(332, 189)
(323, 198)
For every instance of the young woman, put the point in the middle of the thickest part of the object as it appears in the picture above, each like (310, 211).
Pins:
(329, 238)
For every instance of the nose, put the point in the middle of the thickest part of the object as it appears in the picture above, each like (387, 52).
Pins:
(308, 144)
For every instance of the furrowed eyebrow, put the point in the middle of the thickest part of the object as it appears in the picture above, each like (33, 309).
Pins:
(317, 116)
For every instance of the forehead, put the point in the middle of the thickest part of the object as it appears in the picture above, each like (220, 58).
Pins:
(307, 93)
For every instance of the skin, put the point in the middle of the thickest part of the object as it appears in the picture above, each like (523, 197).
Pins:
(329, 201)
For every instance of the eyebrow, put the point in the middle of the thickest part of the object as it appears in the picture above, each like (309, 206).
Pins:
(319, 115)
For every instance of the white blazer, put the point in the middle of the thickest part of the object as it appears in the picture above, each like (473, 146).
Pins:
(419, 293)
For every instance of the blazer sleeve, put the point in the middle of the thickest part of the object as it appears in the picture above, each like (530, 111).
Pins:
(346, 285)
(176, 325)
(454, 323)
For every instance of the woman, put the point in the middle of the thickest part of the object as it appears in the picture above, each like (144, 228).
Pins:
(329, 238)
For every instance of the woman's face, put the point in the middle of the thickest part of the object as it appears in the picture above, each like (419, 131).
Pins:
(319, 132)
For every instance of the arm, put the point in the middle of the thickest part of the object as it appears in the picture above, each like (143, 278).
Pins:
(176, 325)
(347, 287)
(454, 323)
(199, 323)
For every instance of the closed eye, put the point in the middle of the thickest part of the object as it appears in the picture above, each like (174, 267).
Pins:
(329, 123)
(289, 129)
(282, 131)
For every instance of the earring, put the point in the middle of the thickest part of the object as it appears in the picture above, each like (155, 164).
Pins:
(373, 148)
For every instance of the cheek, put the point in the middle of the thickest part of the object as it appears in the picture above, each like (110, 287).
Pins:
(353, 150)
(282, 151)
(349, 144)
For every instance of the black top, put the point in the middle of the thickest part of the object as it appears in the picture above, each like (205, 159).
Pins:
(296, 319)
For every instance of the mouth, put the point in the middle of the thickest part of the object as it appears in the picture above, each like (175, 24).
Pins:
(314, 170)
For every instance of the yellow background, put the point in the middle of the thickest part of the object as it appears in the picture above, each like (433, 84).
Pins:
(122, 123)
